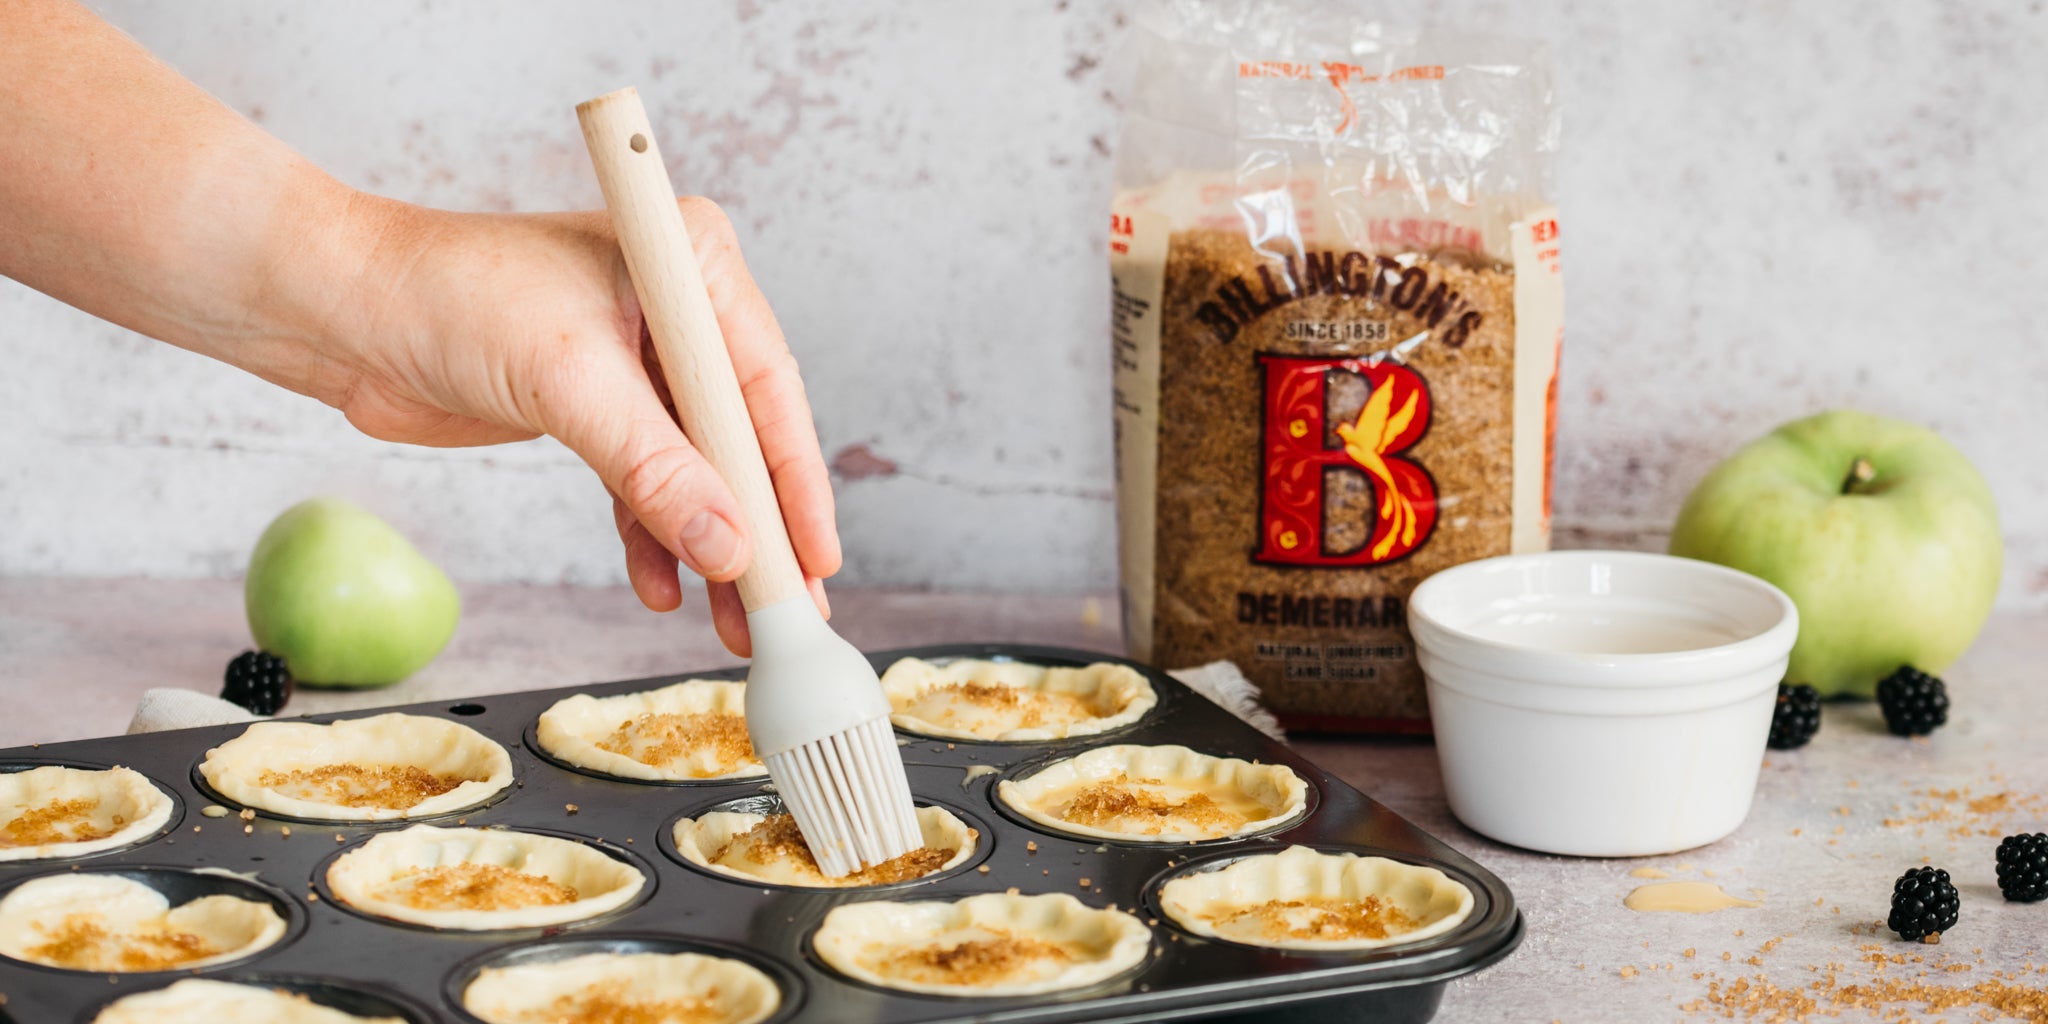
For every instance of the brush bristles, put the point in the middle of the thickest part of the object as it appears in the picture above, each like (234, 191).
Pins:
(850, 798)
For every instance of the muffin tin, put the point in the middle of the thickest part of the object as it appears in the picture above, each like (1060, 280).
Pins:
(349, 961)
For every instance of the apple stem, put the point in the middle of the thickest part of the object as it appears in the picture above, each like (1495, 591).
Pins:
(1860, 472)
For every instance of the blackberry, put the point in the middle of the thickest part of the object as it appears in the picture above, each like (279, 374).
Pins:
(259, 681)
(2023, 867)
(1914, 702)
(1924, 903)
(1797, 716)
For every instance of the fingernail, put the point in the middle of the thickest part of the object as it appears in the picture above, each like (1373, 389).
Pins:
(710, 544)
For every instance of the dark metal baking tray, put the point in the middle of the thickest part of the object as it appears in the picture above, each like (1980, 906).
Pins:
(353, 962)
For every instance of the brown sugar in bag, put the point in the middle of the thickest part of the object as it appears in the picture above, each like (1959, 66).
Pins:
(1337, 318)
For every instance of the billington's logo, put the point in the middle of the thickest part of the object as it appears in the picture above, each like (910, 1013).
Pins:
(1292, 530)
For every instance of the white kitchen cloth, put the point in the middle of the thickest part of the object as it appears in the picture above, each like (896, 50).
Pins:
(163, 708)
(1225, 686)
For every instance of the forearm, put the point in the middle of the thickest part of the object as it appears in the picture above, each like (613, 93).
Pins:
(130, 193)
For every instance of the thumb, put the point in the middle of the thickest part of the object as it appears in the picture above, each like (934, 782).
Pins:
(614, 421)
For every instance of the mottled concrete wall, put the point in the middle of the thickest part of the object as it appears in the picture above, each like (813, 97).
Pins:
(1770, 210)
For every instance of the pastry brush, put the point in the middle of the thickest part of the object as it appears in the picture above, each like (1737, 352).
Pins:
(815, 710)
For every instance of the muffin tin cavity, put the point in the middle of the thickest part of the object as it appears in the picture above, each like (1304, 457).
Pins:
(754, 840)
(261, 999)
(1155, 794)
(1300, 898)
(478, 879)
(988, 945)
(1014, 701)
(141, 920)
(381, 768)
(624, 978)
(692, 731)
(60, 811)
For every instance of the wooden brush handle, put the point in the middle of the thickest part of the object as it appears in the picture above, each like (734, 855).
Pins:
(685, 329)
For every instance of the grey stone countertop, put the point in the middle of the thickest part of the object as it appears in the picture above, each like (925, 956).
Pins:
(1833, 824)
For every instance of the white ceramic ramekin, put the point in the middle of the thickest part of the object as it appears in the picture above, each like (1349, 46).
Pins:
(1599, 703)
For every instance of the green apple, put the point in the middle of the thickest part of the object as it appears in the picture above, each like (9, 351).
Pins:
(345, 599)
(1882, 533)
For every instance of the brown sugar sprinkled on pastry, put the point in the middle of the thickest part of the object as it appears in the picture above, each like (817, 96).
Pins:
(1007, 701)
(611, 1003)
(396, 787)
(980, 961)
(662, 738)
(766, 847)
(83, 942)
(683, 732)
(476, 887)
(1157, 794)
(481, 879)
(1302, 898)
(1027, 709)
(1120, 801)
(66, 821)
(59, 811)
(377, 768)
(992, 944)
(87, 921)
(624, 988)
(1326, 919)
(777, 837)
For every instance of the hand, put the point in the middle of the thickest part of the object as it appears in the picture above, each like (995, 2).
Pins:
(479, 329)
(130, 193)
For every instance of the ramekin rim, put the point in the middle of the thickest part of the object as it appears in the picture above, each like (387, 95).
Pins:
(1687, 667)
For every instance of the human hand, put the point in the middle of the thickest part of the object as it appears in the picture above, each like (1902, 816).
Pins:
(466, 329)
(128, 192)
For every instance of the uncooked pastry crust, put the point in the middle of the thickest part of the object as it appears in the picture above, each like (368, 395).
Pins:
(111, 924)
(266, 767)
(1165, 794)
(717, 840)
(631, 986)
(54, 811)
(995, 944)
(204, 1001)
(537, 880)
(1010, 701)
(1301, 898)
(576, 730)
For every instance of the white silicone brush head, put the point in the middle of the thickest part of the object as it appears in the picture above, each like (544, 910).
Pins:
(819, 720)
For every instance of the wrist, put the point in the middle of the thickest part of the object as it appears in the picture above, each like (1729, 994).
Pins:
(329, 289)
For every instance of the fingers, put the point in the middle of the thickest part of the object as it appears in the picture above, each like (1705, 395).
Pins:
(649, 565)
(729, 617)
(774, 393)
(598, 401)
